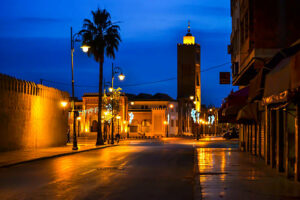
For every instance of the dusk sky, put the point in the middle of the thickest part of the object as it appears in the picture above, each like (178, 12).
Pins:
(35, 43)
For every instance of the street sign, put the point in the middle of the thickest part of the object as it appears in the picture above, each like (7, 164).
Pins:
(224, 77)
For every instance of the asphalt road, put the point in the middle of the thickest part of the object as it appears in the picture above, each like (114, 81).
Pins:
(167, 169)
(135, 170)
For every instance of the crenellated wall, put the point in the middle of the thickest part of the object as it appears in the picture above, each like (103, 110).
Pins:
(31, 115)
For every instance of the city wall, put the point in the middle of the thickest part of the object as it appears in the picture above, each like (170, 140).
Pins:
(31, 115)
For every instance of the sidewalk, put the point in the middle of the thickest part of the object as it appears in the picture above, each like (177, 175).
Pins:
(11, 158)
(231, 174)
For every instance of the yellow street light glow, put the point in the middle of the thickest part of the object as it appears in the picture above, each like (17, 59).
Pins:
(64, 104)
(171, 106)
(78, 118)
(85, 48)
(210, 110)
(191, 97)
(124, 122)
(195, 102)
(121, 76)
(110, 89)
(165, 122)
(132, 103)
(118, 117)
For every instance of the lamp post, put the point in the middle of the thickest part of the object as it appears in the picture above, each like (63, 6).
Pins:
(118, 118)
(74, 38)
(167, 127)
(114, 70)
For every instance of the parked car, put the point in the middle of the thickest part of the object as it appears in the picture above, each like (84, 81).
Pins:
(231, 134)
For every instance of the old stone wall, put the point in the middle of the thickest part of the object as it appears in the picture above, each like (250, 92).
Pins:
(31, 115)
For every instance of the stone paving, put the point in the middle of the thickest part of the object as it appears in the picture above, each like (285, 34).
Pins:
(225, 173)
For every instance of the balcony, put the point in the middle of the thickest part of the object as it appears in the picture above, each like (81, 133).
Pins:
(250, 65)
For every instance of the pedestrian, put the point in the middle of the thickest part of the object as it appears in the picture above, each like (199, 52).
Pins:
(118, 138)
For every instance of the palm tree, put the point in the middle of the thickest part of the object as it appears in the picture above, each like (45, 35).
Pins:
(103, 38)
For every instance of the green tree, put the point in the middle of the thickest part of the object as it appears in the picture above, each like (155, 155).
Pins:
(111, 103)
(103, 38)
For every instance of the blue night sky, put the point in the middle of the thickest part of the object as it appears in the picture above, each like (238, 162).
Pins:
(35, 43)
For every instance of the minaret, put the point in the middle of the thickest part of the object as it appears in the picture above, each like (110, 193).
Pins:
(188, 80)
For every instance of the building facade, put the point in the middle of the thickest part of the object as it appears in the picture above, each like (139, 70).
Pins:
(265, 60)
(141, 115)
(188, 81)
(87, 119)
(152, 116)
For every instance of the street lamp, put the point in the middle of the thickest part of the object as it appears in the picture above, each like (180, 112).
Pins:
(64, 104)
(114, 70)
(85, 48)
(74, 38)
(121, 76)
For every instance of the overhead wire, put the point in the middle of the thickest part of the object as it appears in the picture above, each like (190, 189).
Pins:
(138, 84)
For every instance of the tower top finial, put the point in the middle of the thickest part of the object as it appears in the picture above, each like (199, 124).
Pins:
(189, 39)
(189, 29)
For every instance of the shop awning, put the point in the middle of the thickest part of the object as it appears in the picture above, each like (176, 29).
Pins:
(284, 79)
(256, 86)
(281, 81)
(234, 102)
(295, 71)
(248, 114)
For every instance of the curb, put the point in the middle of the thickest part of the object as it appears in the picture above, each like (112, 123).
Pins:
(53, 156)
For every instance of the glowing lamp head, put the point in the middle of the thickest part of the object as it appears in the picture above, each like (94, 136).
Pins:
(191, 97)
(121, 77)
(85, 48)
(132, 103)
(64, 104)
(171, 106)
(195, 102)
(124, 122)
(110, 89)
(165, 122)
(210, 110)
(118, 117)
(78, 118)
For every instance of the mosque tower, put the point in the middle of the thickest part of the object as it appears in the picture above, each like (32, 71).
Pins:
(188, 80)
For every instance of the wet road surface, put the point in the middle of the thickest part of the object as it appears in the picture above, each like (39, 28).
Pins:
(172, 168)
(136, 170)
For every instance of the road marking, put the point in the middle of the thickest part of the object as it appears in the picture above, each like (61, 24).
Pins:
(87, 172)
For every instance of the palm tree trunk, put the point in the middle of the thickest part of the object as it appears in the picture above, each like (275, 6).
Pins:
(99, 133)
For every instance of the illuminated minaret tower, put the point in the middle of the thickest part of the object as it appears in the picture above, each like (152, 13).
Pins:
(188, 80)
